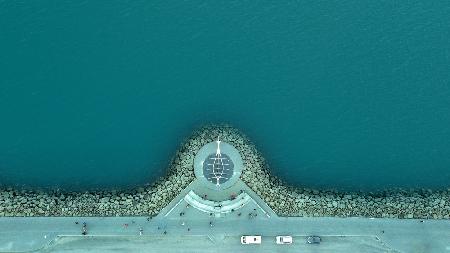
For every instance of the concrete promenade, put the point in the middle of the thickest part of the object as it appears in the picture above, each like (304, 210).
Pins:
(61, 234)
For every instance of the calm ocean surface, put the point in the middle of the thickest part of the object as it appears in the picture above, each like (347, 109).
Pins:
(342, 94)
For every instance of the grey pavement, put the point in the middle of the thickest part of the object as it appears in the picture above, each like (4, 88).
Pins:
(53, 234)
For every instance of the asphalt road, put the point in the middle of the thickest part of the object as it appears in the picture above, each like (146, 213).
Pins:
(205, 244)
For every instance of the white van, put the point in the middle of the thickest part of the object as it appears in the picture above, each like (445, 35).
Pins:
(251, 239)
(284, 239)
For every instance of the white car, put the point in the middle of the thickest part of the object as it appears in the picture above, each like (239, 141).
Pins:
(284, 239)
(251, 239)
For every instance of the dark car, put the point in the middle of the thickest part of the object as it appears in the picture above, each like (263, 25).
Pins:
(314, 239)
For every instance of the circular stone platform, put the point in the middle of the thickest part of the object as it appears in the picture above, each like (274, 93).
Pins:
(218, 165)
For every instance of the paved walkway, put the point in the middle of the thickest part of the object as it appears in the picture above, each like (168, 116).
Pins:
(338, 234)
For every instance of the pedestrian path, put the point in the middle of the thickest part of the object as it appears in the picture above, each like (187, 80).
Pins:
(338, 234)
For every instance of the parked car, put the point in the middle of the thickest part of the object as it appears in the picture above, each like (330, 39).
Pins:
(251, 239)
(313, 239)
(284, 239)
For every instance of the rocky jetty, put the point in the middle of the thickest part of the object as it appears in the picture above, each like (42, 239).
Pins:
(284, 200)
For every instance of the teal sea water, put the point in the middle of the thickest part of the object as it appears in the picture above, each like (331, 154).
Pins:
(342, 94)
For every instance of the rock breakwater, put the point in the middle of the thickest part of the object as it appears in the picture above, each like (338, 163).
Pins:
(284, 200)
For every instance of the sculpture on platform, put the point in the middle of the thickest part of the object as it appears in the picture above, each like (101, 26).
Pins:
(218, 167)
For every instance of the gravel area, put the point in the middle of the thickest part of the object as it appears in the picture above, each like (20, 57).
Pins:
(284, 200)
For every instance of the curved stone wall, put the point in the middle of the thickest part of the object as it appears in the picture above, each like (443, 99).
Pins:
(284, 200)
